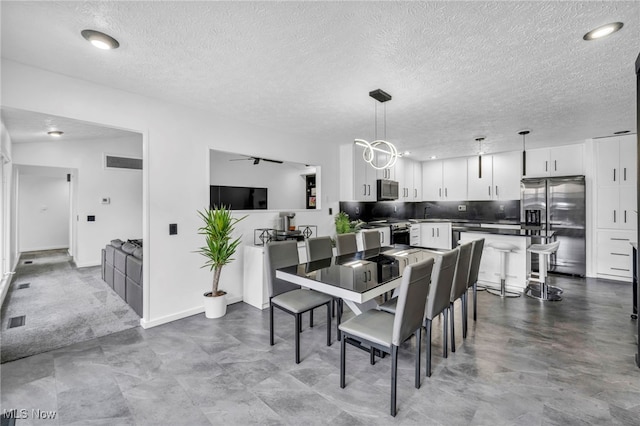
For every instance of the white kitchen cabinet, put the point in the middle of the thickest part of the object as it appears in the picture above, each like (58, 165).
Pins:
(617, 161)
(414, 235)
(444, 180)
(507, 172)
(384, 234)
(435, 235)
(388, 173)
(409, 176)
(357, 177)
(480, 187)
(614, 254)
(617, 207)
(565, 160)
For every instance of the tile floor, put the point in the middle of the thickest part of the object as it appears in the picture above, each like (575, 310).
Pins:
(523, 363)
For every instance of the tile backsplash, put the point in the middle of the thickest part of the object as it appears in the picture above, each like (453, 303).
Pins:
(476, 211)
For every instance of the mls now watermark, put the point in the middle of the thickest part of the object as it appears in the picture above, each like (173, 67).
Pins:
(33, 413)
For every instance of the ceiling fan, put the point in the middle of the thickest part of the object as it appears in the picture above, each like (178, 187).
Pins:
(256, 160)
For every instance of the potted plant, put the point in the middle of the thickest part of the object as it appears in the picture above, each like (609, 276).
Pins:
(219, 249)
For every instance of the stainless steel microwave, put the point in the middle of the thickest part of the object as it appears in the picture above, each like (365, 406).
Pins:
(387, 189)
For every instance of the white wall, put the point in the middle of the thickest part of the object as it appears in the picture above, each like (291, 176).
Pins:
(122, 218)
(44, 213)
(176, 144)
(285, 183)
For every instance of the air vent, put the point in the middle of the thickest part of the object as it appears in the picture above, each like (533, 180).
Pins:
(25, 285)
(27, 262)
(16, 321)
(116, 162)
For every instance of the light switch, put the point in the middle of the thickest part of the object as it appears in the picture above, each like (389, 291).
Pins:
(173, 229)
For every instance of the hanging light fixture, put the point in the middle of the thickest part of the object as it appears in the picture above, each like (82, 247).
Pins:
(479, 139)
(379, 145)
(524, 133)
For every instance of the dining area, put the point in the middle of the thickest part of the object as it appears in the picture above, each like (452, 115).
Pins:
(381, 298)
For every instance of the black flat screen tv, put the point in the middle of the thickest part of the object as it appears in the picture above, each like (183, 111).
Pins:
(238, 197)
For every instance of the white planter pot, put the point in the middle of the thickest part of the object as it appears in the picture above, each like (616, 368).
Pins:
(215, 307)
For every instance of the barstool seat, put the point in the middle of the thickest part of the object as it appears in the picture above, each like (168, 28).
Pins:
(504, 249)
(539, 288)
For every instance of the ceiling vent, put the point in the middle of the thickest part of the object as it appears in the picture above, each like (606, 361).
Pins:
(120, 162)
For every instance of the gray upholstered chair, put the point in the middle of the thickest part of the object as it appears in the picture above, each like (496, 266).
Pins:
(371, 239)
(474, 269)
(386, 332)
(459, 289)
(289, 297)
(318, 248)
(346, 243)
(438, 299)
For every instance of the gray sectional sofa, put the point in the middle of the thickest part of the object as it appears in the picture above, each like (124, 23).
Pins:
(122, 270)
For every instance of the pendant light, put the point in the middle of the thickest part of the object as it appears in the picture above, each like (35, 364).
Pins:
(380, 145)
(479, 140)
(524, 133)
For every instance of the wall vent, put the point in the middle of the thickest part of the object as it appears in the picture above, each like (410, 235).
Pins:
(119, 162)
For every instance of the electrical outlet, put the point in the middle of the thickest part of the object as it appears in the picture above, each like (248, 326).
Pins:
(173, 229)
(330, 211)
(462, 208)
(501, 208)
(357, 210)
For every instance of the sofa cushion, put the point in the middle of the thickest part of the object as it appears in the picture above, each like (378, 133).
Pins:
(137, 253)
(128, 247)
(109, 254)
(134, 269)
(120, 260)
(117, 243)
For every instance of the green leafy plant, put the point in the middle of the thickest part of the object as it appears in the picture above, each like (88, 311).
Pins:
(219, 249)
(343, 224)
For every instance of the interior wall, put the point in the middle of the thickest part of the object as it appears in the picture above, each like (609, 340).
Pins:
(285, 183)
(122, 217)
(44, 213)
(177, 141)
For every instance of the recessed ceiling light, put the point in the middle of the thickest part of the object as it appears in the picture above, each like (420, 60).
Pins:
(406, 153)
(433, 157)
(603, 31)
(100, 40)
(55, 133)
(621, 132)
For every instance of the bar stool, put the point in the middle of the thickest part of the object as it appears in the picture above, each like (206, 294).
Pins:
(540, 289)
(504, 249)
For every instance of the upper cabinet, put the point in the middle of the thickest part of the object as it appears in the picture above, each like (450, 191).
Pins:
(565, 160)
(616, 161)
(357, 177)
(444, 180)
(408, 173)
(500, 178)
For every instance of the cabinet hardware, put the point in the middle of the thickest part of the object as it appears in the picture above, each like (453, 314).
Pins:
(415, 193)
(614, 175)
(369, 272)
(624, 171)
(625, 216)
(555, 165)
(619, 239)
(440, 192)
(620, 254)
(433, 232)
(438, 232)
(620, 269)
(614, 216)
(364, 189)
(546, 163)
(489, 190)
(497, 195)
(445, 193)
(369, 192)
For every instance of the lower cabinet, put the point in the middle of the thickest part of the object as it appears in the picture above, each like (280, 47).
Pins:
(615, 254)
(435, 235)
(385, 236)
(414, 235)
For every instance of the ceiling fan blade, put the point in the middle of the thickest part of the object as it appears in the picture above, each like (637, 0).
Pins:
(272, 161)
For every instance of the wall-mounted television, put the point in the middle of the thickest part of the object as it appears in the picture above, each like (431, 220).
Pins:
(238, 197)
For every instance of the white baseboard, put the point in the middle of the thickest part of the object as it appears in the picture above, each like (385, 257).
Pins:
(88, 264)
(43, 248)
(179, 315)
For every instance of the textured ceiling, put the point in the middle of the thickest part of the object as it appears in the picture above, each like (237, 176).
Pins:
(456, 70)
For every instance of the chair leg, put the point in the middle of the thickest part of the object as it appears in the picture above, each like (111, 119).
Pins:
(464, 315)
(311, 318)
(418, 334)
(297, 337)
(427, 343)
(333, 308)
(445, 334)
(343, 348)
(372, 355)
(271, 324)
(340, 307)
(394, 378)
(329, 323)
(475, 301)
(453, 328)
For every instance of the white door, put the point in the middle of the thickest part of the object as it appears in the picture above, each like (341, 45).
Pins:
(628, 208)
(454, 179)
(567, 160)
(628, 160)
(608, 206)
(608, 162)
(537, 162)
(363, 177)
(417, 181)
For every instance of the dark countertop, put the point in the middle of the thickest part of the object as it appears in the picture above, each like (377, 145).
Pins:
(524, 231)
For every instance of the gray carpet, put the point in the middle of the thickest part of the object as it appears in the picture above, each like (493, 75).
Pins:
(63, 305)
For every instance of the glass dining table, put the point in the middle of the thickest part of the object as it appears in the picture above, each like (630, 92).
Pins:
(356, 278)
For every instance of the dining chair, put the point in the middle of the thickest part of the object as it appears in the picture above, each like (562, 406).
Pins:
(371, 240)
(438, 299)
(319, 248)
(459, 289)
(289, 297)
(346, 243)
(474, 269)
(386, 332)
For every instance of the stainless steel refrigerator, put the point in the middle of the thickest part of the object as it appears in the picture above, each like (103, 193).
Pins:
(561, 205)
